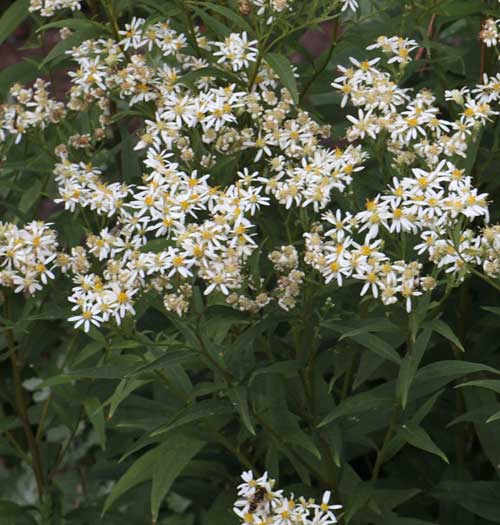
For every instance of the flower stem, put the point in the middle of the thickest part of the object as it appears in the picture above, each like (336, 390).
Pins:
(22, 410)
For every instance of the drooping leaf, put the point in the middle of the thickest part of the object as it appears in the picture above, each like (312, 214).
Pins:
(443, 329)
(415, 435)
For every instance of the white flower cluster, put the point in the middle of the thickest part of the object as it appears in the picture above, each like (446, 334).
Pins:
(426, 203)
(33, 107)
(195, 217)
(206, 228)
(49, 7)
(259, 503)
(27, 256)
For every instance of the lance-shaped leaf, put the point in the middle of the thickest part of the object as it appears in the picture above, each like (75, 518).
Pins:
(172, 460)
(415, 435)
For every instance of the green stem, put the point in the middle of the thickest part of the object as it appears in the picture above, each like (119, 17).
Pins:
(22, 410)
(110, 13)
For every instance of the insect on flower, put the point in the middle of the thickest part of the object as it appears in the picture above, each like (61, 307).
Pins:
(257, 498)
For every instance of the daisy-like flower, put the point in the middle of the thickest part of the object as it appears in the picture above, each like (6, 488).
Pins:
(89, 315)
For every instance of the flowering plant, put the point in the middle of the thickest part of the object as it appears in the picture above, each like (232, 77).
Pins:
(218, 255)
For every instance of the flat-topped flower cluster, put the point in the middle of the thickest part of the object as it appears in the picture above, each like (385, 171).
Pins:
(195, 217)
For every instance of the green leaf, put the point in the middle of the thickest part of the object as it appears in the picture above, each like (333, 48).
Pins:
(12, 18)
(88, 351)
(281, 66)
(479, 497)
(410, 365)
(200, 411)
(371, 326)
(378, 346)
(169, 358)
(103, 372)
(490, 384)
(122, 391)
(415, 435)
(363, 336)
(359, 403)
(358, 500)
(175, 454)
(443, 329)
(94, 411)
(139, 472)
(188, 333)
(476, 415)
(284, 368)
(369, 363)
(441, 373)
(398, 441)
(239, 397)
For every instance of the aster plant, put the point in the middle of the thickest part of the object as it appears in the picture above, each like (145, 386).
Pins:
(224, 251)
